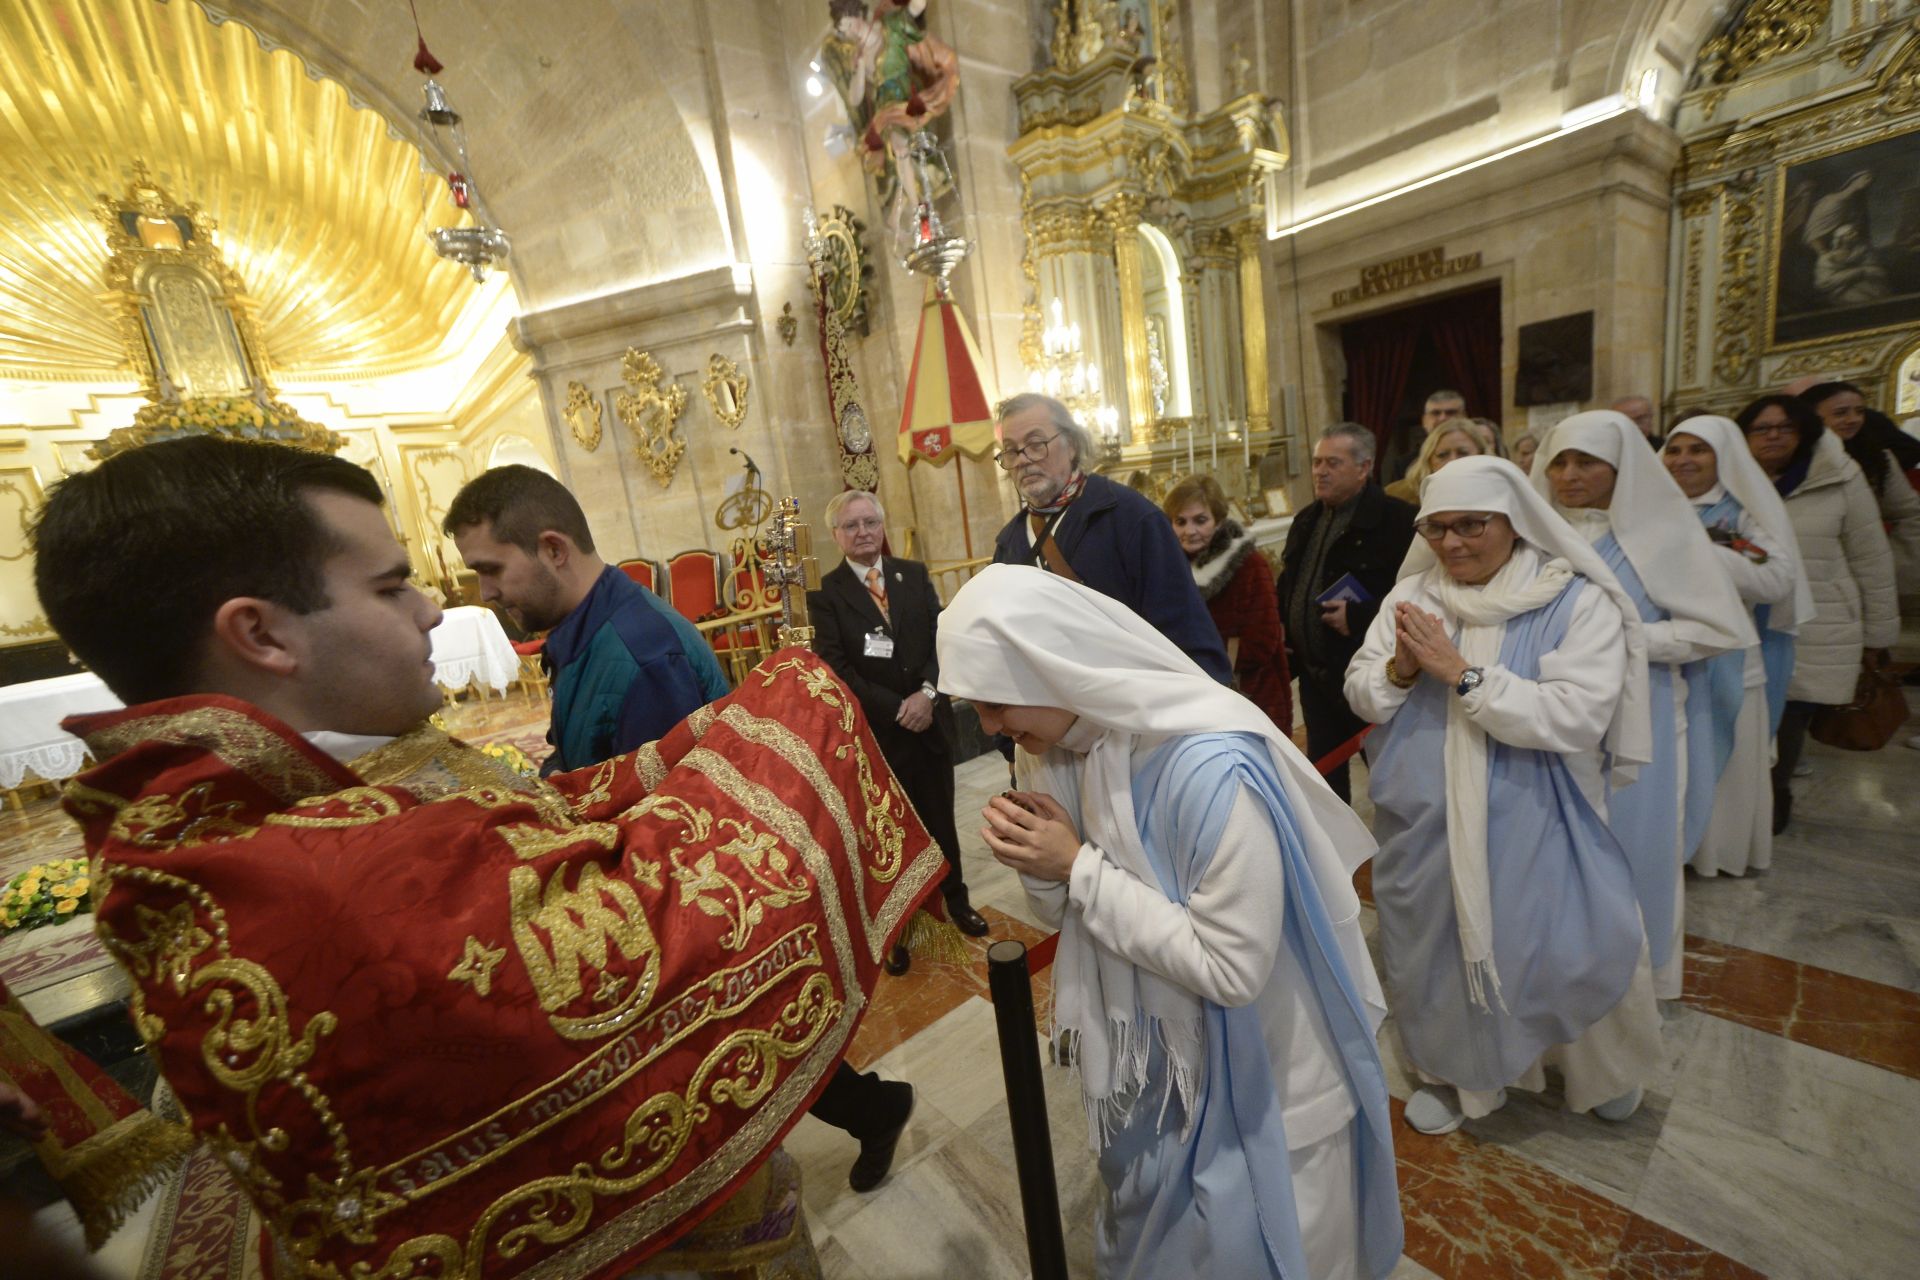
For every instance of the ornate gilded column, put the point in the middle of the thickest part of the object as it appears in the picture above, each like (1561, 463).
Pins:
(1247, 239)
(1122, 213)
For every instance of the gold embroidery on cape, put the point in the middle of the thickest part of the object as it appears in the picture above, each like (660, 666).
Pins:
(784, 822)
(648, 767)
(240, 742)
(431, 765)
(169, 822)
(580, 923)
(529, 841)
(767, 867)
(722, 993)
(700, 719)
(884, 831)
(251, 1044)
(599, 792)
(364, 806)
(818, 683)
(476, 965)
(740, 1071)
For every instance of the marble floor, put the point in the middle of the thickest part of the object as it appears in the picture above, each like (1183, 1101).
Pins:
(1780, 1139)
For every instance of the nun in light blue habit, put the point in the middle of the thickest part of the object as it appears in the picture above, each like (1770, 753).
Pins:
(1754, 543)
(1212, 987)
(1598, 472)
(1507, 675)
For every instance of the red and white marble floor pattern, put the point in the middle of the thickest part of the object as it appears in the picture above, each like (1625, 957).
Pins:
(1779, 1141)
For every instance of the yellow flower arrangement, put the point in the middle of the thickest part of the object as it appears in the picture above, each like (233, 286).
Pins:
(513, 757)
(46, 894)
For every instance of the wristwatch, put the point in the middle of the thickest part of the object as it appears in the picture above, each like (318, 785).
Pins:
(1469, 681)
(926, 687)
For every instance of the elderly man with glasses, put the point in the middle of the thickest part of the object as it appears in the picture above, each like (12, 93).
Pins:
(1085, 527)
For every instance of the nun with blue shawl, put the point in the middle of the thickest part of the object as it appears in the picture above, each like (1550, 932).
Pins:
(1212, 988)
(1506, 672)
(1599, 474)
(1753, 537)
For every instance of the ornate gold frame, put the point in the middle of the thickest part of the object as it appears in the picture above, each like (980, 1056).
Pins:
(652, 412)
(1778, 179)
(582, 412)
(724, 376)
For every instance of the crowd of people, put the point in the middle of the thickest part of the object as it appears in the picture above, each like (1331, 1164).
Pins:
(1576, 661)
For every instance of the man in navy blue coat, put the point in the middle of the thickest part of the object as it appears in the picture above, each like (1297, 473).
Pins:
(1086, 527)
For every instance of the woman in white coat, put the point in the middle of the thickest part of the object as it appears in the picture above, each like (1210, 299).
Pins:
(1849, 565)
(1707, 457)
(1212, 986)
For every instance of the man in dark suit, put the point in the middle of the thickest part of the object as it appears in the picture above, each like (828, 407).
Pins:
(874, 622)
(1350, 527)
(1086, 527)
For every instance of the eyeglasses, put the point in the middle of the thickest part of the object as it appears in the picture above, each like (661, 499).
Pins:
(1031, 451)
(1468, 527)
(868, 522)
(1773, 429)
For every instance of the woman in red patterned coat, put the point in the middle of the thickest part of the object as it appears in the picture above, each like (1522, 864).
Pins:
(1237, 583)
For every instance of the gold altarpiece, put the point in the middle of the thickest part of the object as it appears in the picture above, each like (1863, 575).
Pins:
(1795, 98)
(187, 327)
(1145, 221)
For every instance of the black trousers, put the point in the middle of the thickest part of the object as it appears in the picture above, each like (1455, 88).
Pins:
(861, 1103)
(927, 778)
(1790, 742)
(1330, 722)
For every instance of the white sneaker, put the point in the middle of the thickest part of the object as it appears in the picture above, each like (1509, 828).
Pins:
(1803, 769)
(1430, 1113)
(1620, 1108)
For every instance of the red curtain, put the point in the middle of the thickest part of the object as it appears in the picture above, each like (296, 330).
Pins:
(1379, 358)
(1467, 333)
(1380, 350)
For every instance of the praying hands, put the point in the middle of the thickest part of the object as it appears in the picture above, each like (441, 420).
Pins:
(1422, 643)
(1032, 834)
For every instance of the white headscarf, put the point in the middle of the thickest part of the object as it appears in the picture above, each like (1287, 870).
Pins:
(1657, 528)
(1020, 636)
(1750, 487)
(1551, 552)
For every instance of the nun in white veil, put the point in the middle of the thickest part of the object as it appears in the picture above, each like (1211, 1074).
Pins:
(1212, 986)
(1756, 546)
(1599, 474)
(1507, 673)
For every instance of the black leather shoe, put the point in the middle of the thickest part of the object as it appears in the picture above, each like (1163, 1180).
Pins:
(897, 961)
(876, 1155)
(971, 922)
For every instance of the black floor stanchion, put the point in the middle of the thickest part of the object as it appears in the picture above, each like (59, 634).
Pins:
(1012, 991)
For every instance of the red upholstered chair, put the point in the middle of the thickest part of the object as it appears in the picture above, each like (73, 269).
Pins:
(693, 584)
(644, 572)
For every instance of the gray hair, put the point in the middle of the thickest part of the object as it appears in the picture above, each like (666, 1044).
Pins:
(839, 502)
(1359, 439)
(1443, 396)
(1079, 439)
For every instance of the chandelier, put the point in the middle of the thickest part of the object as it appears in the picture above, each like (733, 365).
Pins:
(470, 239)
(1068, 376)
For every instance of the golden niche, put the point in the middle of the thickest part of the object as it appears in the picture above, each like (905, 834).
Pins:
(186, 323)
(652, 413)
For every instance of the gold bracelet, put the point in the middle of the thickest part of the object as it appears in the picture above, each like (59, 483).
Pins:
(1399, 681)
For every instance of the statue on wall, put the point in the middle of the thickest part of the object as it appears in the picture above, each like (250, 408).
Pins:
(896, 79)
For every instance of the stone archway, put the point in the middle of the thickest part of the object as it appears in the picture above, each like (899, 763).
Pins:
(591, 137)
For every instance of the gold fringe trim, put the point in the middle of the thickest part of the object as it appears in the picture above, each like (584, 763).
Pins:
(940, 941)
(112, 1173)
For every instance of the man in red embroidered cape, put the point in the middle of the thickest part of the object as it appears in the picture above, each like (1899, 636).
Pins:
(438, 1018)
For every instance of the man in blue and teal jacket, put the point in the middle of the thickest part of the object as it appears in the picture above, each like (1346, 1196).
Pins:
(626, 667)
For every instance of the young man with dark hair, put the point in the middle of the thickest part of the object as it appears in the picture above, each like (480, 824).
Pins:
(423, 1006)
(626, 667)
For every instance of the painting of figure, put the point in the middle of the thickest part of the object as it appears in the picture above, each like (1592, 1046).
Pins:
(1849, 243)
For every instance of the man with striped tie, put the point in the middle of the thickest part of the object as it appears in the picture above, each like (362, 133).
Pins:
(875, 618)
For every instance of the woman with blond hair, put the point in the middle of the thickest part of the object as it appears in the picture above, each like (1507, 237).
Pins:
(1457, 439)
